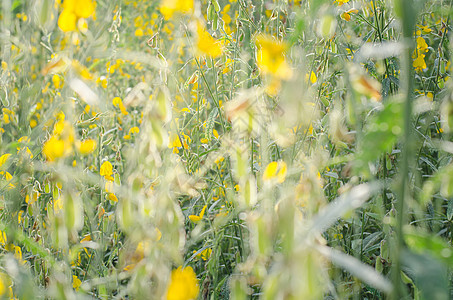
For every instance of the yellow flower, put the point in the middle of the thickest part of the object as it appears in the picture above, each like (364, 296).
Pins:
(88, 146)
(205, 254)
(59, 145)
(117, 101)
(123, 109)
(4, 158)
(169, 7)
(106, 170)
(58, 205)
(84, 8)
(421, 44)
(271, 57)
(419, 63)
(341, 2)
(275, 170)
(138, 32)
(57, 82)
(347, 14)
(425, 29)
(112, 197)
(198, 218)
(74, 10)
(215, 133)
(134, 130)
(54, 148)
(174, 142)
(18, 254)
(8, 177)
(76, 282)
(2, 238)
(313, 77)
(183, 285)
(86, 238)
(67, 21)
(206, 44)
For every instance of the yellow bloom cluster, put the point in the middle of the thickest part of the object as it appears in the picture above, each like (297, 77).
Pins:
(419, 54)
(206, 44)
(59, 145)
(195, 218)
(183, 285)
(271, 57)
(73, 14)
(170, 7)
(106, 170)
(275, 171)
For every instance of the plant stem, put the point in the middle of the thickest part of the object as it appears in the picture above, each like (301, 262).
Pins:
(408, 18)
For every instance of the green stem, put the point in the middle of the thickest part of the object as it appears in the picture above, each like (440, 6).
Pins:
(408, 17)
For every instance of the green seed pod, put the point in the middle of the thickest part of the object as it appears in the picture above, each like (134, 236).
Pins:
(384, 253)
(388, 163)
(249, 192)
(325, 101)
(163, 106)
(158, 135)
(55, 193)
(447, 113)
(216, 5)
(124, 212)
(210, 12)
(379, 267)
(215, 22)
(73, 212)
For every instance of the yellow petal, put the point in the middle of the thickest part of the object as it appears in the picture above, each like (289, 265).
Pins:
(194, 218)
(54, 149)
(4, 158)
(270, 170)
(106, 170)
(112, 197)
(84, 8)
(67, 21)
(202, 211)
(313, 77)
(88, 146)
(281, 175)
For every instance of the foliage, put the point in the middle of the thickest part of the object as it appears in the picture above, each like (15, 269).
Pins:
(217, 149)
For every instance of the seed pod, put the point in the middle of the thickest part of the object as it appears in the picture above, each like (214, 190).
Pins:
(73, 212)
(248, 192)
(384, 251)
(215, 22)
(388, 164)
(210, 12)
(379, 267)
(124, 213)
(216, 5)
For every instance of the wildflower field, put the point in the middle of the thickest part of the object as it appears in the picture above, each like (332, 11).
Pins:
(226, 149)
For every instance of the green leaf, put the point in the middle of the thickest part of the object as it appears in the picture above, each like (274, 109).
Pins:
(381, 133)
(421, 242)
(430, 275)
